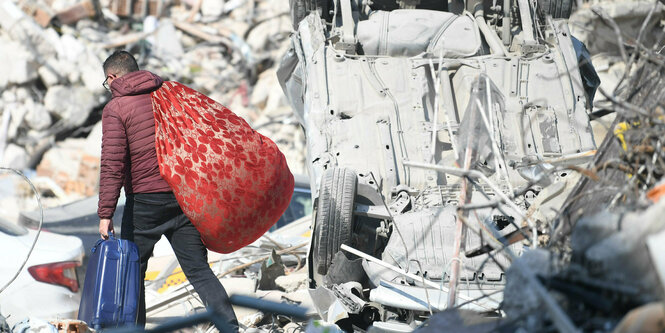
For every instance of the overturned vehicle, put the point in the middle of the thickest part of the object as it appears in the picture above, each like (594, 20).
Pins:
(436, 132)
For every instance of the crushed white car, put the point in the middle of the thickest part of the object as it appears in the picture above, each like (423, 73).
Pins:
(431, 133)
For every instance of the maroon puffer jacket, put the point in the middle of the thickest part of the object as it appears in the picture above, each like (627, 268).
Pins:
(128, 141)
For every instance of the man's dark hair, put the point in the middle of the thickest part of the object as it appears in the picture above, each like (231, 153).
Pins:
(120, 63)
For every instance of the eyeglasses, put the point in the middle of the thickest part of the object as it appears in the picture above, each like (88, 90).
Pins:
(105, 84)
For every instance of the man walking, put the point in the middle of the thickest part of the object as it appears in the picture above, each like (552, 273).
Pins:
(129, 158)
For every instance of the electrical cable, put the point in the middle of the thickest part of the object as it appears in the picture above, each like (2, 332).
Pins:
(39, 228)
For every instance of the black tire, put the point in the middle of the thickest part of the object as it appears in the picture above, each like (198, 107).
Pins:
(333, 225)
(555, 8)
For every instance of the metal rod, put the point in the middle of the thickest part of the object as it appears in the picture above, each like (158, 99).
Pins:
(435, 119)
(527, 22)
(265, 306)
(180, 323)
(401, 271)
(491, 37)
(505, 35)
(465, 196)
(448, 105)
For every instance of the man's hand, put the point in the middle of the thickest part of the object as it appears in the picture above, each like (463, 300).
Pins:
(105, 226)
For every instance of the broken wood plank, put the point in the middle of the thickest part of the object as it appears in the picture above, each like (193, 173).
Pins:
(195, 31)
(128, 39)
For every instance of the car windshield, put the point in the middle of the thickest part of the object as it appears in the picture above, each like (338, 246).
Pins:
(300, 206)
(11, 228)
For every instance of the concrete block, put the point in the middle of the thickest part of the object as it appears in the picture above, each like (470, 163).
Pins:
(15, 157)
(93, 146)
(59, 5)
(18, 111)
(72, 104)
(9, 96)
(292, 282)
(92, 74)
(37, 117)
(48, 74)
(261, 91)
(519, 300)
(167, 44)
(71, 168)
(72, 48)
(24, 30)
(17, 65)
(212, 8)
(23, 94)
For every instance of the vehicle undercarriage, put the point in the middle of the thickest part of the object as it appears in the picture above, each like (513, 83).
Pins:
(435, 134)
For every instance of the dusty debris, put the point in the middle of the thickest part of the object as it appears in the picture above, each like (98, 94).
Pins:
(71, 326)
(292, 282)
(51, 105)
(629, 16)
(518, 300)
(595, 264)
(245, 272)
(458, 320)
(52, 56)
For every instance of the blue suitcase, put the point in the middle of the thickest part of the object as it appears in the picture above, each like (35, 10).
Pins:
(112, 285)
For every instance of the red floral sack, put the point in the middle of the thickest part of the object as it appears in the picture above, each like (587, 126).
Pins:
(232, 182)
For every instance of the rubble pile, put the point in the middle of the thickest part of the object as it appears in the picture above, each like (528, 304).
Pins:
(595, 24)
(51, 59)
(272, 268)
(603, 263)
(599, 265)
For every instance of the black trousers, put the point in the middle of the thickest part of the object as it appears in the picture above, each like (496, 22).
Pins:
(146, 218)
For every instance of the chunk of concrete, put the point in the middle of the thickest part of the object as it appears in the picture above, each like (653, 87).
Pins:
(517, 299)
(22, 94)
(72, 48)
(167, 44)
(93, 146)
(48, 75)
(590, 230)
(621, 256)
(17, 65)
(292, 282)
(15, 157)
(37, 117)
(9, 96)
(262, 89)
(92, 75)
(18, 112)
(24, 30)
(71, 168)
(212, 8)
(71, 104)
(252, 320)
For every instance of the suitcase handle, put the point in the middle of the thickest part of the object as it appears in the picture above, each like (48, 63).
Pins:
(101, 240)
